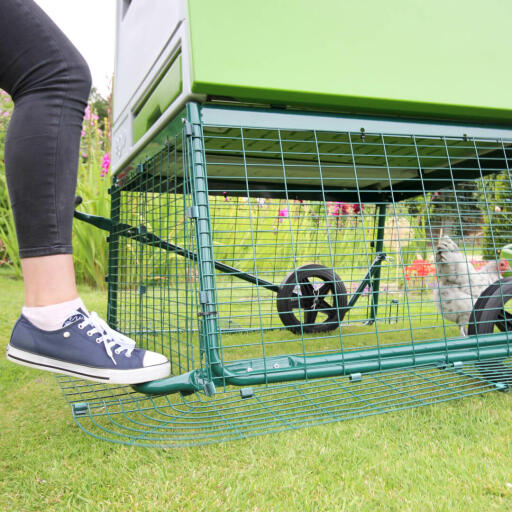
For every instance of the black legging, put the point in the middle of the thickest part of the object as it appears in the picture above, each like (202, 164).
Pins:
(49, 82)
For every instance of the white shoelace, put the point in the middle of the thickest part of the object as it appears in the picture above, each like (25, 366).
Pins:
(108, 336)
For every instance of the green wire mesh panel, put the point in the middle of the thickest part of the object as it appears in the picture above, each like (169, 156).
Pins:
(120, 415)
(152, 290)
(266, 258)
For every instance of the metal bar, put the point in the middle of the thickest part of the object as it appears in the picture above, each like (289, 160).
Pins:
(311, 371)
(155, 241)
(140, 235)
(205, 260)
(95, 220)
(289, 368)
(113, 257)
(377, 267)
(291, 120)
(367, 279)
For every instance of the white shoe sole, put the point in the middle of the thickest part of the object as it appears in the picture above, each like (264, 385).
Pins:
(137, 376)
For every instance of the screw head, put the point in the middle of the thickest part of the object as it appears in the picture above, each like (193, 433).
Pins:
(66, 334)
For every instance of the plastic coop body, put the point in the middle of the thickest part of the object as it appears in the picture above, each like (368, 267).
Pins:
(437, 59)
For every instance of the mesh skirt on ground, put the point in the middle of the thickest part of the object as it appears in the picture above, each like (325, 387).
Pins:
(119, 414)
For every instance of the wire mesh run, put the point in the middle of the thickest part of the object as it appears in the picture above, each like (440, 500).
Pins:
(286, 261)
(120, 415)
(306, 244)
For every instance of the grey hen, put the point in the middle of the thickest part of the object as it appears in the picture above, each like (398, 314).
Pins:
(459, 284)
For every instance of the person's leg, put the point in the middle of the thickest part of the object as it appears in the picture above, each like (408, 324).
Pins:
(49, 280)
(49, 82)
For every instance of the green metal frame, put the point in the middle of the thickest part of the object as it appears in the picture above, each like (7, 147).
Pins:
(276, 369)
(353, 363)
(113, 250)
(374, 282)
(220, 397)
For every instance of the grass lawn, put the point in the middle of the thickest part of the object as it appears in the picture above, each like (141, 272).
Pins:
(453, 456)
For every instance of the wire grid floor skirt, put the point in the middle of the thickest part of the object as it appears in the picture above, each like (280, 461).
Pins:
(121, 415)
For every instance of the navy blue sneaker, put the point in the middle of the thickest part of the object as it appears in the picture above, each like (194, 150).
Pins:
(85, 347)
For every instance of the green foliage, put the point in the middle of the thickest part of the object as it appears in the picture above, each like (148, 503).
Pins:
(90, 248)
(101, 106)
(275, 231)
(8, 238)
(454, 212)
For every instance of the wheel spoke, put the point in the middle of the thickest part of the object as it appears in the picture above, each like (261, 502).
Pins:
(307, 289)
(325, 289)
(310, 316)
(324, 305)
(307, 295)
(294, 301)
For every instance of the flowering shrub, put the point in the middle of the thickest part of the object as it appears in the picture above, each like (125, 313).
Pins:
(340, 208)
(419, 268)
(420, 275)
(90, 249)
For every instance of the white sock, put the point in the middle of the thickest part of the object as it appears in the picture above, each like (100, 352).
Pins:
(51, 318)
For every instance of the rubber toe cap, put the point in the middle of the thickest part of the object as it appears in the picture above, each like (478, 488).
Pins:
(153, 359)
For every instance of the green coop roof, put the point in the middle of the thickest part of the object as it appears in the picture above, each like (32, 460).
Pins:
(422, 59)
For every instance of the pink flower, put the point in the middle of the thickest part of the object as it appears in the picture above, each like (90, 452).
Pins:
(346, 209)
(82, 133)
(340, 208)
(6, 114)
(283, 212)
(105, 166)
(358, 208)
(89, 115)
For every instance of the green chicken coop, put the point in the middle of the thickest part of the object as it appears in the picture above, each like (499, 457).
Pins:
(309, 206)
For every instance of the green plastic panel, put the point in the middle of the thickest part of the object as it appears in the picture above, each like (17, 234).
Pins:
(168, 87)
(442, 59)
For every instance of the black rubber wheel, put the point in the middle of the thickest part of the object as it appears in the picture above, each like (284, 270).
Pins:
(318, 293)
(489, 315)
